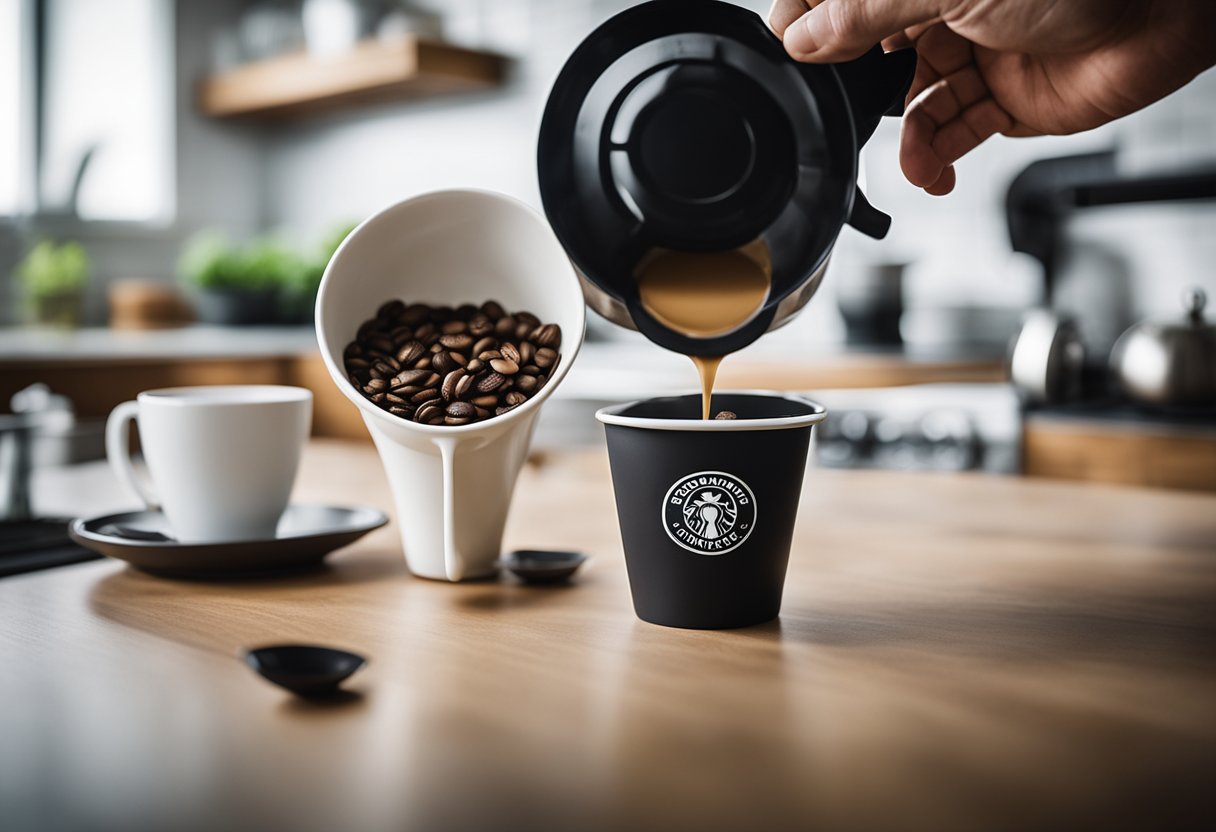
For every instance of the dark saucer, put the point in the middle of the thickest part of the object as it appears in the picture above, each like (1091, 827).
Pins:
(535, 566)
(305, 670)
(306, 534)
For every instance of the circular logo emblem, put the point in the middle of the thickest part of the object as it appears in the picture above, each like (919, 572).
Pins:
(710, 512)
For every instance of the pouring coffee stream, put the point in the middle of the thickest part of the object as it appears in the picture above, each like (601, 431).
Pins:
(698, 176)
(703, 294)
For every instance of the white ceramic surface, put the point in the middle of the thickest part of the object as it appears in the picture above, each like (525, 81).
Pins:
(222, 460)
(452, 485)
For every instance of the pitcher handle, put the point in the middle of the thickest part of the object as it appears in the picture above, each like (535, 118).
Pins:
(453, 563)
(118, 450)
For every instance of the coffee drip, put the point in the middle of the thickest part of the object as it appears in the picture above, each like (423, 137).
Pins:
(701, 294)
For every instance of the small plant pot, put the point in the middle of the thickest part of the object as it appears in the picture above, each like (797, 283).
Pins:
(63, 309)
(237, 307)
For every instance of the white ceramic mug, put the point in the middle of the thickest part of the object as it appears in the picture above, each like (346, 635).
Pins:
(222, 460)
(452, 485)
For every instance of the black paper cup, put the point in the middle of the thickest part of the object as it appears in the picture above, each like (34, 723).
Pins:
(707, 508)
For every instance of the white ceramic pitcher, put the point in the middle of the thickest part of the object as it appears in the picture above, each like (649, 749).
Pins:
(452, 485)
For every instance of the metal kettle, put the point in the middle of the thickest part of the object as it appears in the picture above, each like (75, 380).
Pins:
(1172, 364)
(684, 125)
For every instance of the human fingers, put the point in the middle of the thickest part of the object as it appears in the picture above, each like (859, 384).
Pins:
(948, 121)
(840, 30)
(785, 12)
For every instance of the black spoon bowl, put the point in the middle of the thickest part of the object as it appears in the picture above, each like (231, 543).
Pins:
(535, 566)
(304, 669)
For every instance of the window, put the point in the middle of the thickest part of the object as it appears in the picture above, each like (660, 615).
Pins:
(107, 109)
(12, 138)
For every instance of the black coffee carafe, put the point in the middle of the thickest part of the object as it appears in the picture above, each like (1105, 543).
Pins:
(684, 125)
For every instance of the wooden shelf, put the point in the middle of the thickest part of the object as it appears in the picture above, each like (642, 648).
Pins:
(374, 71)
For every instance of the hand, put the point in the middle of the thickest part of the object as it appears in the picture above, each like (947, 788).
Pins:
(1015, 67)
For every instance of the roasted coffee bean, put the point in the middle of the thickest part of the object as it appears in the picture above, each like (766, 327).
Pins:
(382, 344)
(505, 366)
(450, 381)
(549, 335)
(505, 327)
(545, 357)
(444, 365)
(726, 415)
(443, 362)
(411, 378)
(480, 326)
(429, 413)
(416, 313)
(491, 382)
(391, 310)
(460, 342)
(410, 352)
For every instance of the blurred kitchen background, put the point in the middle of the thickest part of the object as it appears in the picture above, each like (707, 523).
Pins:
(174, 175)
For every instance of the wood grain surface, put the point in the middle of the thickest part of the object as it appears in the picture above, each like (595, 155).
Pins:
(954, 652)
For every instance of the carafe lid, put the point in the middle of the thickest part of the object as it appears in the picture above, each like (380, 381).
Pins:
(683, 124)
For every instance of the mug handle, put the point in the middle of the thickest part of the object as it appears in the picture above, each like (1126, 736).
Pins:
(453, 563)
(118, 450)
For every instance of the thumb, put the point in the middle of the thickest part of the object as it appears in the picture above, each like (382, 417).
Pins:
(840, 30)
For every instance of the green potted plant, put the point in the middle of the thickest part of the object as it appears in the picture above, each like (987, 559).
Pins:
(234, 286)
(52, 278)
(301, 295)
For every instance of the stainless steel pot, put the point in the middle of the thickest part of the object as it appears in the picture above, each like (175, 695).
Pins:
(1170, 364)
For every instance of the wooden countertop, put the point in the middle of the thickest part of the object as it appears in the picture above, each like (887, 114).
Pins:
(955, 652)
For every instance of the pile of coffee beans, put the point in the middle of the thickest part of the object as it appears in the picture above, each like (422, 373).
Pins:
(438, 365)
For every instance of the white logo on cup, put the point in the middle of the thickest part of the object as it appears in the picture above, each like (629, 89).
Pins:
(710, 512)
